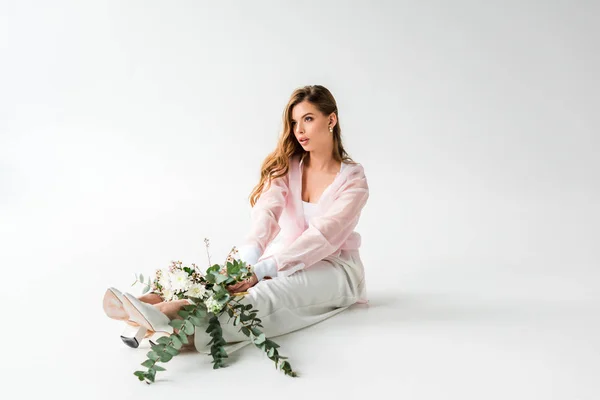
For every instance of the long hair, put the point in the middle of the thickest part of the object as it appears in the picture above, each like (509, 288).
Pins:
(277, 163)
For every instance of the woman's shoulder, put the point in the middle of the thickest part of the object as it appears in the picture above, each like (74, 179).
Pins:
(352, 177)
(354, 168)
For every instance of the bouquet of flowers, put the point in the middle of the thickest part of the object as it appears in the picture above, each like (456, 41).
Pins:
(210, 297)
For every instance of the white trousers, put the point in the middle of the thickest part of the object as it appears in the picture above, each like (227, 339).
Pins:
(286, 304)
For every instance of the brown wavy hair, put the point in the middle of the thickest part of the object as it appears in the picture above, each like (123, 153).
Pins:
(277, 163)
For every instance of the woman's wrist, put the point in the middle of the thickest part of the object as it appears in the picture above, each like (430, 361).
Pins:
(249, 253)
(266, 267)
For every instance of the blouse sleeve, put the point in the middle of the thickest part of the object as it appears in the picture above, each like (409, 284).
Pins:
(266, 213)
(326, 233)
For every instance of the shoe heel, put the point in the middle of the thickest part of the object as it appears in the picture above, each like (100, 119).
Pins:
(132, 336)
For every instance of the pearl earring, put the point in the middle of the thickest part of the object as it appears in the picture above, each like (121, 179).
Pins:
(331, 129)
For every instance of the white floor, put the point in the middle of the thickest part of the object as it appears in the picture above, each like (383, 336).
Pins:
(517, 336)
(130, 131)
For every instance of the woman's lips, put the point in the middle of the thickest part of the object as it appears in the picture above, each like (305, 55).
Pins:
(304, 141)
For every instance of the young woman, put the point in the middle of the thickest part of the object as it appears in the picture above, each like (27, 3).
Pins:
(301, 243)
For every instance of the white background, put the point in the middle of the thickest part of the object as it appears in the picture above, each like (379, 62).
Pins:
(132, 130)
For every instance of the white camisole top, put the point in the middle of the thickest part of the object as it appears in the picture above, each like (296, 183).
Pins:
(310, 209)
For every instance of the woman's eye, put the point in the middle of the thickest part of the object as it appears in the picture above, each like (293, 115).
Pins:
(308, 118)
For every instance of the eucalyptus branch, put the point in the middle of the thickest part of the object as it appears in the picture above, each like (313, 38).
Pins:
(214, 299)
(217, 349)
(146, 284)
(169, 346)
(249, 328)
(207, 244)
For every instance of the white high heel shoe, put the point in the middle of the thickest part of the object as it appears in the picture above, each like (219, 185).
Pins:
(146, 315)
(113, 307)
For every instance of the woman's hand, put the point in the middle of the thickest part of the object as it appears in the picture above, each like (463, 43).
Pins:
(244, 285)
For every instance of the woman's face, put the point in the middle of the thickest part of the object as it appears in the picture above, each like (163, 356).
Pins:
(310, 127)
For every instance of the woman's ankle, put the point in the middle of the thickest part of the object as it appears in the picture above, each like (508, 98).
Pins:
(171, 308)
(150, 298)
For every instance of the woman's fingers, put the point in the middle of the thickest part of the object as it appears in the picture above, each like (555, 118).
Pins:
(240, 287)
(243, 285)
(234, 288)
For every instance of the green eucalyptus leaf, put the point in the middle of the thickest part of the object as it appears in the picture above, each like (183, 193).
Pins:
(188, 327)
(271, 352)
(176, 342)
(233, 269)
(151, 374)
(195, 320)
(166, 357)
(171, 350)
(222, 352)
(142, 278)
(200, 312)
(148, 363)
(163, 340)
(159, 368)
(158, 348)
(176, 323)
(255, 331)
(218, 289)
(183, 338)
(213, 268)
(189, 308)
(152, 355)
(260, 339)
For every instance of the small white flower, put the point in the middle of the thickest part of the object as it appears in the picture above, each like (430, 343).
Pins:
(164, 280)
(212, 305)
(180, 280)
(196, 290)
(167, 294)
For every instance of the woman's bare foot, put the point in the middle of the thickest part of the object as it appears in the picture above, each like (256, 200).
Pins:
(151, 298)
(170, 308)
